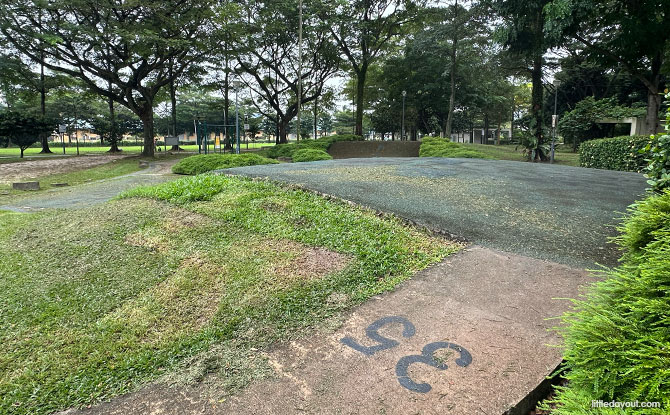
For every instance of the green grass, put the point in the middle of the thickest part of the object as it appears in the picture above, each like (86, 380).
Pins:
(509, 152)
(114, 168)
(35, 150)
(323, 143)
(204, 163)
(188, 278)
(310, 154)
(440, 147)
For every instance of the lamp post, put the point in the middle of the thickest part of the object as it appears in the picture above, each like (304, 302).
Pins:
(236, 86)
(402, 134)
(554, 120)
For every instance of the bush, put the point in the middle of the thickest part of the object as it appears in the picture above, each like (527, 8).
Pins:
(618, 338)
(658, 151)
(323, 143)
(441, 147)
(203, 163)
(618, 153)
(310, 154)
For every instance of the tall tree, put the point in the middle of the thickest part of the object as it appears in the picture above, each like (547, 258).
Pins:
(633, 34)
(363, 30)
(522, 34)
(147, 44)
(267, 55)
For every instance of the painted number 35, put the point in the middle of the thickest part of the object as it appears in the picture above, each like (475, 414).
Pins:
(402, 367)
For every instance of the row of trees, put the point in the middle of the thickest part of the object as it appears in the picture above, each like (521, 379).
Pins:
(461, 64)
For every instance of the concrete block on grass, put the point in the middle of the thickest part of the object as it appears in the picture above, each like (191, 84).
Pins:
(26, 186)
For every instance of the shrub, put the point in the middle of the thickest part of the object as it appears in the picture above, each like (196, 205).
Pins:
(658, 151)
(310, 154)
(441, 147)
(618, 338)
(203, 163)
(618, 153)
(323, 143)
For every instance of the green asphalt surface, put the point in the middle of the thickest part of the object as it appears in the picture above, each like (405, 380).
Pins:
(558, 213)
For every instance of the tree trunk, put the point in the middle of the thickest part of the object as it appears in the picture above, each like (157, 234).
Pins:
(316, 113)
(113, 134)
(44, 139)
(147, 117)
(360, 90)
(283, 127)
(536, 106)
(21, 148)
(653, 96)
(452, 95)
(173, 111)
(485, 139)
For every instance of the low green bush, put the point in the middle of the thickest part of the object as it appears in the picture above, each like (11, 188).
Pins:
(203, 163)
(441, 147)
(618, 153)
(618, 337)
(310, 154)
(323, 143)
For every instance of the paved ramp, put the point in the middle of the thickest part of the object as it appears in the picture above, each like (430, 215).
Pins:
(468, 336)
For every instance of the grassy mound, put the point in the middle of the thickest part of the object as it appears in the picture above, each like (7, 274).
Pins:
(441, 147)
(192, 278)
(323, 143)
(310, 154)
(618, 338)
(202, 163)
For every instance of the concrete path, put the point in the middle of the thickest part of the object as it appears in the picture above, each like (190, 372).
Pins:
(468, 336)
(560, 213)
(84, 195)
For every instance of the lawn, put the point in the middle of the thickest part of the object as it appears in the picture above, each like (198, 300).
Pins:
(192, 277)
(509, 152)
(57, 150)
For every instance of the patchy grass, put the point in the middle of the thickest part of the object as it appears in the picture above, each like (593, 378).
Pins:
(118, 167)
(180, 281)
(204, 163)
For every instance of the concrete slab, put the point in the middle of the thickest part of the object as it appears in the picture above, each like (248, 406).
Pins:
(482, 312)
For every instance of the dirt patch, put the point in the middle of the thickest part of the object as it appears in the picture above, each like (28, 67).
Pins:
(182, 220)
(141, 240)
(13, 172)
(313, 263)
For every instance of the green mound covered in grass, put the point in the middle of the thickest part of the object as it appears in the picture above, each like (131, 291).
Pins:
(202, 163)
(192, 278)
(310, 154)
(323, 143)
(618, 338)
(441, 147)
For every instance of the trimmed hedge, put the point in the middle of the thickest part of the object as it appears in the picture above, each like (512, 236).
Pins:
(441, 147)
(202, 163)
(618, 338)
(323, 143)
(618, 153)
(310, 154)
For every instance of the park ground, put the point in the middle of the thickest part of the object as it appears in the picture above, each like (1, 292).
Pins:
(225, 281)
